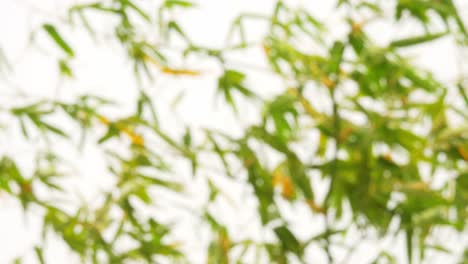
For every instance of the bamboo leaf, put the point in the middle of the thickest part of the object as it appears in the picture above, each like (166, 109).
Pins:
(412, 41)
(55, 35)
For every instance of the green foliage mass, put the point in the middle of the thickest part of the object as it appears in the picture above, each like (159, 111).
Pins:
(375, 176)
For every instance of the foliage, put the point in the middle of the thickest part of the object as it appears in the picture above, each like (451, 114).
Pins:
(375, 175)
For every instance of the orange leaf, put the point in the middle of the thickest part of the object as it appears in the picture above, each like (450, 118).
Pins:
(26, 187)
(135, 138)
(463, 152)
(327, 82)
(316, 208)
(388, 157)
(356, 27)
(266, 49)
(284, 183)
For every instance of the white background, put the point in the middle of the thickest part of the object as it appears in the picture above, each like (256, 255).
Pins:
(100, 68)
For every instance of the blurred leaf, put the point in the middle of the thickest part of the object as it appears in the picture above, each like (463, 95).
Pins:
(288, 241)
(231, 81)
(54, 34)
(417, 40)
(178, 3)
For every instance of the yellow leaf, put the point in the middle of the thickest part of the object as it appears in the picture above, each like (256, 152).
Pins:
(417, 186)
(103, 120)
(306, 105)
(225, 243)
(388, 157)
(135, 138)
(356, 27)
(151, 60)
(284, 183)
(330, 84)
(172, 71)
(413, 186)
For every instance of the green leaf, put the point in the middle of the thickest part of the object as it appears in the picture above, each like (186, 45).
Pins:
(417, 40)
(174, 26)
(230, 81)
(409, 244)
(288, 241)
(54, 34)
(187, 138)
(336, 56)
(279, 110)
(463, 93)
(178, 3)
(65, 68)
(142, 13)
(39, 255)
